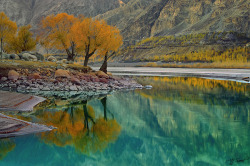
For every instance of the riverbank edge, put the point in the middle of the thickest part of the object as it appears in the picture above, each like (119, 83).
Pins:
(27, 128)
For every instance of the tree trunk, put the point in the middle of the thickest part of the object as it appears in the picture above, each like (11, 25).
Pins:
(105, 64)
(70, 57)
(1, 48)
(86, 60)
(104, 103)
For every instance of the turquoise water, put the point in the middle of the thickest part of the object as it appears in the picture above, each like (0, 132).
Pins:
(181, 121)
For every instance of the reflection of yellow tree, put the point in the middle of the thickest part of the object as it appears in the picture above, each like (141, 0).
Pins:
(102, 133)
(190, 84)
(201, 91)
(79, 128)
(67, 127)
(6, 146)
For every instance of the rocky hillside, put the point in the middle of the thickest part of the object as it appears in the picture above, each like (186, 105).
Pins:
(139, 19)
(145, 18)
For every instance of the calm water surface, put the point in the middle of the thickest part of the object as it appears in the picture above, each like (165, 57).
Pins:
(181, 121)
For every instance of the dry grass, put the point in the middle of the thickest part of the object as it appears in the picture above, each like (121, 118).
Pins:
(218, 65)
(7, 65)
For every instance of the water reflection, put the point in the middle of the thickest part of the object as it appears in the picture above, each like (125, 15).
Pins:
(181, 121)
(78, 126)
(6, 146)
(206, 118)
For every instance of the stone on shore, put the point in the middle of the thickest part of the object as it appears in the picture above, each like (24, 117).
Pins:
(4, 79)
(29, 57)
(14, 56)
(13, 75)
(101, 74)
(52, 59)
(60, 73)
(75, 80)
(34, 76)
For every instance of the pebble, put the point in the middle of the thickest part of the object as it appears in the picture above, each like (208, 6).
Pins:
(4, 79)
(73, 88)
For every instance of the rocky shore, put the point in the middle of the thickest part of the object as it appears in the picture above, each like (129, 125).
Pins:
(47, 80)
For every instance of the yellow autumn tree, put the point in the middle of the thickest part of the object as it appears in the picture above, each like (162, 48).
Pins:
(113, 42)
(45, 44)
(56, 30)
(8, 29)
(93, 36)
(23, 41)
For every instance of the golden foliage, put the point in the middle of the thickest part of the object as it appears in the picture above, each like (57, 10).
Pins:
(56, 29)
(7, 28)
(72, 129)
(95, 36)
(106, 131)
(239, 54)
(24, 41)
(190, 84)
(79, 35)
(67, 128)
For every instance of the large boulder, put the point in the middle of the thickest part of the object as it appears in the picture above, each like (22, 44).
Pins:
(13, 75)
(39, 56)
(28, 57)
(51, 59)
(60, 73)
(5, 56)
(14, 56)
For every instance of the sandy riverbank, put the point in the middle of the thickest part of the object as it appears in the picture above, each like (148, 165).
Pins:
(228, 74)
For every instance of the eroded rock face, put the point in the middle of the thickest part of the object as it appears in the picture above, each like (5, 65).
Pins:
(13, 75)
(143, 18)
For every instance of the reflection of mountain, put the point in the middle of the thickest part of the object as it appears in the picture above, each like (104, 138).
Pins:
(199, 122)
(78, 126)
(6, 146)
(196, 90)
(185, 124)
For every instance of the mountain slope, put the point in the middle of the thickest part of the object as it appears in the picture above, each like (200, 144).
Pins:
(138, 19)
(141, 18)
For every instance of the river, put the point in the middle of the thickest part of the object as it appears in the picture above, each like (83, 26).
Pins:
(180, 121)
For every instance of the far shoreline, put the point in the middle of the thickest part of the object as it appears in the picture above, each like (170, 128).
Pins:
(241, 75)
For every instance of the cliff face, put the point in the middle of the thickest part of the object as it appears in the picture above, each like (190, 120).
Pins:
(139, 19)
(142, 18)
